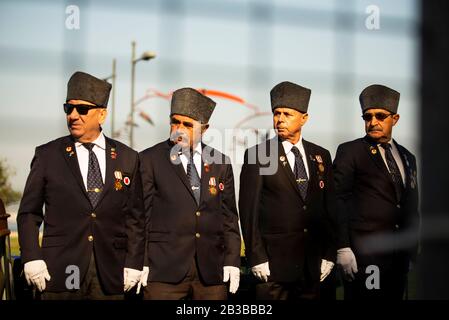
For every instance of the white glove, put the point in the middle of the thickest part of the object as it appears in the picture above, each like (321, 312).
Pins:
(261, 271)
(36, 273)
(326, 268)
(143, 279)
(231, 274)
(346, 260)
(130, 278)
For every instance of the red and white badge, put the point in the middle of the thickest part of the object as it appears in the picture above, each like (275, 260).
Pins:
(321, 184)
(126, 181)
(221, 186)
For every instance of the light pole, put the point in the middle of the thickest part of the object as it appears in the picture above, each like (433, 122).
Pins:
(147, 55)
(113, 77)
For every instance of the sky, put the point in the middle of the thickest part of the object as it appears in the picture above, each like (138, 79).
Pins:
(241, 47)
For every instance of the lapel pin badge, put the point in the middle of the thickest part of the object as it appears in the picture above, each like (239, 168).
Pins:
(321, 184)
(70, 151)
(221, 186)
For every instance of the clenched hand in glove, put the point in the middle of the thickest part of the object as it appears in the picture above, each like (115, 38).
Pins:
(346, 260)
(130, 278)
(143, 278)
(326, 268)
(261, 271)
(36, 273)
(231, 274)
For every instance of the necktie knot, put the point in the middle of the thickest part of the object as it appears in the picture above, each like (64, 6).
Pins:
(88, 145)
(296, 152)
(386, 146)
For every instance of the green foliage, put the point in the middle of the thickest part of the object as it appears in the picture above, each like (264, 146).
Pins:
(7, 193)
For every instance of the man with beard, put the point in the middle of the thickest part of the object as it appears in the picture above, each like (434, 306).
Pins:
(193, 238)
(377, 197)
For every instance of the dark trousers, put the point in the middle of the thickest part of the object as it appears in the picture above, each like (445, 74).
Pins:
(191, 287)
(392, 286)
(293, 291)
(90, 288)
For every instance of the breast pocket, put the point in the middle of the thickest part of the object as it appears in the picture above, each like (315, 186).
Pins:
(50, 241)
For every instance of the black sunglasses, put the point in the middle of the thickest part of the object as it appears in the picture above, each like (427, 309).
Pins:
(379, 116)
(82, 109)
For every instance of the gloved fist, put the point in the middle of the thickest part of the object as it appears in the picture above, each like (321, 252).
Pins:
(261, 271)
(36, 273)
(130, 278)
(348, 264)
(326, 268)
(143, 279)
(231, 274)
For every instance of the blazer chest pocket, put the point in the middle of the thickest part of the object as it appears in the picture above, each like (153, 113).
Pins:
(120, 243)
(158, 236)
(53, 242)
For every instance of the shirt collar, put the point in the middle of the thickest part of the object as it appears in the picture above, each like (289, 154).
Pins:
(288, 145)
(389, 142)
(198, 149)
(99, 142)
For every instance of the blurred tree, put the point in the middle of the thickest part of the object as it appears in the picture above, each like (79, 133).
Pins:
(7, 194)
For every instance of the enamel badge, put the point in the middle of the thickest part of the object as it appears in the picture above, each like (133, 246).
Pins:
(70, 151)
(126, 181)
(113, 154)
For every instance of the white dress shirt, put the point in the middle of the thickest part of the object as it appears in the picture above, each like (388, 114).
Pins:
(396, 156)
(83, 157)
(196, 159)
(291, 157)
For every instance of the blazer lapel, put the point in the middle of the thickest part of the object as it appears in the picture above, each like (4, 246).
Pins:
(206, 174)
(175, 162)
(408, 170)
(374, 153)
(69, 153)
(285, 167)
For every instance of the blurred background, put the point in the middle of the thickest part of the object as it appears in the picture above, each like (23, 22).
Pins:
(236, 49)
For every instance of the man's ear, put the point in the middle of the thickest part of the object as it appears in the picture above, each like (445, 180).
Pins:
(395, 118)
(102, 116)
(204, 128)
(305, 117)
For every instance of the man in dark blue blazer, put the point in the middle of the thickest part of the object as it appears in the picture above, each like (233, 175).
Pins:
(377, 198)
(90, 186)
